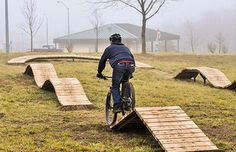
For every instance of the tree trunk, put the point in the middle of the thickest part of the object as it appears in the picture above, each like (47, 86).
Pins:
(143, 35)
(31, 42)
(96, 46)
(192, 48)
(219, 48)
(192, 45)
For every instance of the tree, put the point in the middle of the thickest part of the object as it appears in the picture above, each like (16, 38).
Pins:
(96, 22)
(192, 36)
(211, 47)
(147, 8)
(32, 20)
(225, 49)
(220, 41)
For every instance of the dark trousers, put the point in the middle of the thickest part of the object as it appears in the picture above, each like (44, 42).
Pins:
(121, 72)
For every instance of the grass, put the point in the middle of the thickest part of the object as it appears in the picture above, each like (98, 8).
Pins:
(32, 120)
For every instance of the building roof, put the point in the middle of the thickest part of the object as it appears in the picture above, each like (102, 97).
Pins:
(127, 31)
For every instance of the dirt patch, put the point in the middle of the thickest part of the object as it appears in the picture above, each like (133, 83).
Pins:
(223, 132)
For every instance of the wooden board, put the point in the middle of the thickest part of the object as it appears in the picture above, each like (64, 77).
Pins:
(41, 72)
(69, 91)
(30, 58)
(171, 128)
(215, 77)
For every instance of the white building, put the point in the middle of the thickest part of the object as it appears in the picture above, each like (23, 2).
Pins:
(131, 36)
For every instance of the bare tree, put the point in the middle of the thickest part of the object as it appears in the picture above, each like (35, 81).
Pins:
(147, 8)
(32, 20)
(211, 47)
(96, 21)
(192, 36)
(225, 49)
(220, 40)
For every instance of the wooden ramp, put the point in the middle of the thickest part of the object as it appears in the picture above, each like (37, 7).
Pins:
(69, 91)
(31, 58)
(171, 128)
(41, 72)
(215, 77)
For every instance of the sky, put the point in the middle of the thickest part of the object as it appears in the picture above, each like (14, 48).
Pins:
(221, 15)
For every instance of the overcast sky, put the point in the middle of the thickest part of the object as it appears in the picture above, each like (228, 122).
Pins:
(170, 18)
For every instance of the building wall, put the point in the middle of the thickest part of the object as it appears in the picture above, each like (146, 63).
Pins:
(88, 47)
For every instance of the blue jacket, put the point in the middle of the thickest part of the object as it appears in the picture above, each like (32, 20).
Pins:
(116, 52)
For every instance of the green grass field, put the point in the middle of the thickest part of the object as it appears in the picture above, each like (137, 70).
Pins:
(31, 119)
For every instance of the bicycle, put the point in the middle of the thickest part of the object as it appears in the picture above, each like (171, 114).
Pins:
(127, 101)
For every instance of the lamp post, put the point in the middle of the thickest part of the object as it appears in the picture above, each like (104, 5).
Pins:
(7, 26)
(46, 30)
(68, 21)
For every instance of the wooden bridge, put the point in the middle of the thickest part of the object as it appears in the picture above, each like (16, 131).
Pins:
(170, 127)
(31, 58)
(215, 77)
(69, 91)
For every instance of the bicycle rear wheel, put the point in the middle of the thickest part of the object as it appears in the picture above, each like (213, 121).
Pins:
(129, 97)
(111, 117)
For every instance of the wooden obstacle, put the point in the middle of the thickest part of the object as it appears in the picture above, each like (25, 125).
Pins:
(215, 77)
(41, 72)
(30, 58)
(171, 128)
(69, 91)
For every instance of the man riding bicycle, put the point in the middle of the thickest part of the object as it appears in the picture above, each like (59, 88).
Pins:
(123, 64)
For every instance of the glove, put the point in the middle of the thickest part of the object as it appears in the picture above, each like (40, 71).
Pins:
(99, 75)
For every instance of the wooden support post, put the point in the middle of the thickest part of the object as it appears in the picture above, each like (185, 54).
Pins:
(204, 78)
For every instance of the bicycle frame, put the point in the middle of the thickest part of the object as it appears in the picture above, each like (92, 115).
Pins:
(127, 101)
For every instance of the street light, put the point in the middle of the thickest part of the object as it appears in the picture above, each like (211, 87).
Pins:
(7, 26)
(68, 17)
(46, 30)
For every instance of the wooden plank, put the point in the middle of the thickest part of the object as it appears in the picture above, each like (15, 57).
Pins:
(180, 123)
(189, 149)
(185, 140)
(156, 128)
(140, 109)
(162, 112)
(178, 136)
(165, 116)
(179, 131)
(177, 119)
(193, 145)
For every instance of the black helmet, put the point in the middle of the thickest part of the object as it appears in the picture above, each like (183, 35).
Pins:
(115, 38)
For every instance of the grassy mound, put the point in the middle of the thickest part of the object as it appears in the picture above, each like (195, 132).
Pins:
(32, 120)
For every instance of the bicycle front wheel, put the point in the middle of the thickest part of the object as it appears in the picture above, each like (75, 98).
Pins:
(111, 117)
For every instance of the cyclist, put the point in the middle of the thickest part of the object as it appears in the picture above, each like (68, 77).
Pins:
(123, 64)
